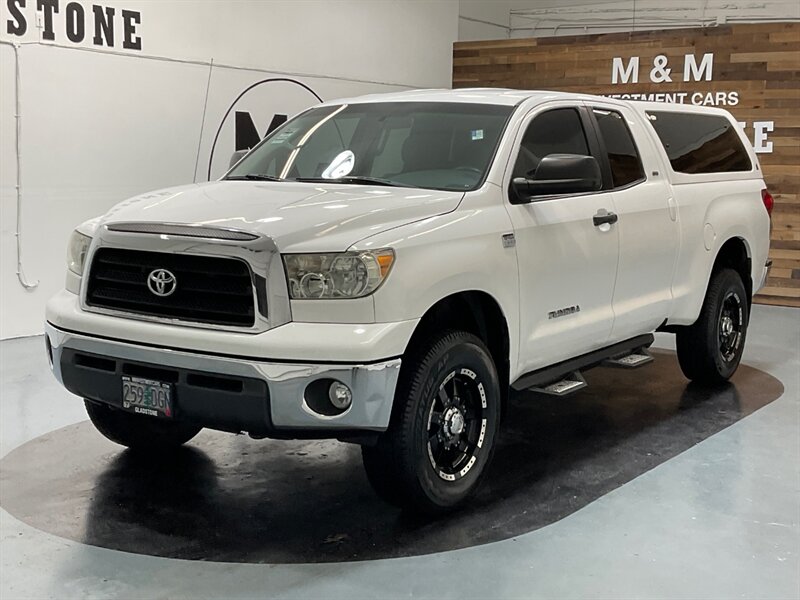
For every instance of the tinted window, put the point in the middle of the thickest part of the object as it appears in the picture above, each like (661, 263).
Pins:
(331, 138)
(419, 144)
(626, 166)
(700, 143)
(389, 155)
(558, 131)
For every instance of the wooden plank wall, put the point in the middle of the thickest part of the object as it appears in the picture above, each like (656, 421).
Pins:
(761, 62)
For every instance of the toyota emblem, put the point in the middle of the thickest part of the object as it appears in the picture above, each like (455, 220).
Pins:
(161, 282)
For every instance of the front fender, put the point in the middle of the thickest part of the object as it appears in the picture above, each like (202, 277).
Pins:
(444, 255)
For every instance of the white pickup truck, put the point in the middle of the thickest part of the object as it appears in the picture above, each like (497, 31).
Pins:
(384, 269)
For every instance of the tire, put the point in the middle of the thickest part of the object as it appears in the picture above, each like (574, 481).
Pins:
(709, 351)
(447, 404)
(138, 432)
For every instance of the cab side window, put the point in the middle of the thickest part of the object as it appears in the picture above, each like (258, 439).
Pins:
(700, 143)
(626, 165)
(557, 131)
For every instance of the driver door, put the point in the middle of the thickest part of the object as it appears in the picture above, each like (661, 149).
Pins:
(567, 264)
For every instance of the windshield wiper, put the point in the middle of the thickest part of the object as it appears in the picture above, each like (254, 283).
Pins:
(253, 177)
(354, 179)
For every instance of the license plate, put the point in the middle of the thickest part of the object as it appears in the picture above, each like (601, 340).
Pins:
(147, 397)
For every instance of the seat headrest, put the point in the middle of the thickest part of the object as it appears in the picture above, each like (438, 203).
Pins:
(426, 149)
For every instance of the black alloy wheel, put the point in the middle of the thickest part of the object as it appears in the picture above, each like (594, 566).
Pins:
(731, 326)
(444, 425)
(457, 424)
(709, 351)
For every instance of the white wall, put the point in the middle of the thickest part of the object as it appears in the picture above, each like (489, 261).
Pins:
(482, 20)
(100, 124)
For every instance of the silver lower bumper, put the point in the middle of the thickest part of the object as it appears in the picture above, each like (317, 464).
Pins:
(372, 385)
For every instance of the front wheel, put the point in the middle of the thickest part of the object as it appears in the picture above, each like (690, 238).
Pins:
(443, 429)
(137, 431)
(709, 351)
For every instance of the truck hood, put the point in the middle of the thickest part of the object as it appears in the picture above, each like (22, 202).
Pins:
(299, 217)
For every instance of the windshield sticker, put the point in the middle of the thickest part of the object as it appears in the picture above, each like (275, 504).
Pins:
(476, 134)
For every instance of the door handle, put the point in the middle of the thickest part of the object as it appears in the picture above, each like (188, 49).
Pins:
(602, 218)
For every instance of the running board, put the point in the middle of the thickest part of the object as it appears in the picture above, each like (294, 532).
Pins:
(570, 384)
(639, 358)
(541, 378)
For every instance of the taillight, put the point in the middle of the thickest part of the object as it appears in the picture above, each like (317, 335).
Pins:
(768, 200)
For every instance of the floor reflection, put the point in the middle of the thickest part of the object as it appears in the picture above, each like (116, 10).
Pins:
(229, 498)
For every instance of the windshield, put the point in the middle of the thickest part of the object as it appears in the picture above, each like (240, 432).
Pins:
(446, 146)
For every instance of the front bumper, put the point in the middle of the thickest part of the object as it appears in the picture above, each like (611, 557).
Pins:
(262, 397)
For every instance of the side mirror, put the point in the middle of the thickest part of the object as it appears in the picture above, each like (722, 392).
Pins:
(237, 156)
(558, 174)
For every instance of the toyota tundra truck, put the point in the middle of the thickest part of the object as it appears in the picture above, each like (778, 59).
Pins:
(384, 270)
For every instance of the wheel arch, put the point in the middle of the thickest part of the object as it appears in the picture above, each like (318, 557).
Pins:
(476, 312)
(735, 254)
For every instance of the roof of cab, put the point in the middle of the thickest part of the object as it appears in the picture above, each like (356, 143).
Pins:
(509, 97)
(500, 96)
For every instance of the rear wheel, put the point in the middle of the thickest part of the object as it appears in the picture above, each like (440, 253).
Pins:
(136, 431)
(710, 350)
(443, 430)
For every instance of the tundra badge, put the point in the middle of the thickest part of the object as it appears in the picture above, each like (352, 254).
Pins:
(563, 312)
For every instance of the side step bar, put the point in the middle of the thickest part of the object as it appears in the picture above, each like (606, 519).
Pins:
(571, 383)
(561, 373)
(633, 360)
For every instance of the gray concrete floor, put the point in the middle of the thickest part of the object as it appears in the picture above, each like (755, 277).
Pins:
(720, 520)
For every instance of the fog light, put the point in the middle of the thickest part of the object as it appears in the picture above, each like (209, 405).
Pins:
(340, 395)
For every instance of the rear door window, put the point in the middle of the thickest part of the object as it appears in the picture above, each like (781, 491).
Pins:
(623, 157)
(698, 143)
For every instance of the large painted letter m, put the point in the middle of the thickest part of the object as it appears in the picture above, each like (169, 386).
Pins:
(246, 133)
(620, 73)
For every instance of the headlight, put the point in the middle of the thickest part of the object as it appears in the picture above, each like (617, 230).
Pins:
(345, 275)
(76, 251)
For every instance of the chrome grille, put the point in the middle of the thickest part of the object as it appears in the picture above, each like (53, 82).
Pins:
(208, 289)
